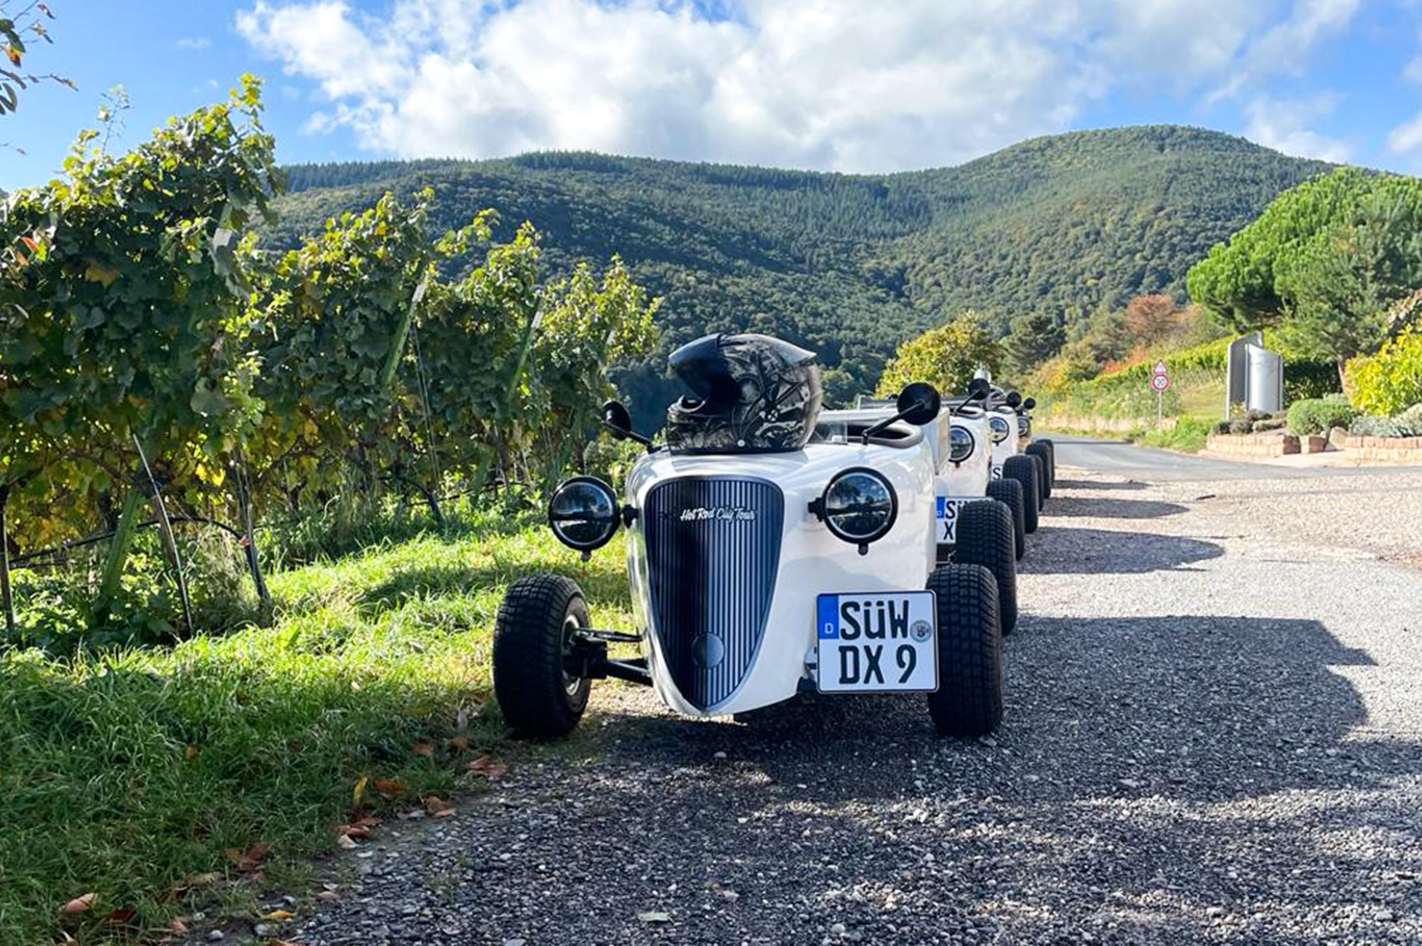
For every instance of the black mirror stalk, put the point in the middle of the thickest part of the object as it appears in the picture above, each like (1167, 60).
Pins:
(918, 403)
(616, 419)
(977, 394)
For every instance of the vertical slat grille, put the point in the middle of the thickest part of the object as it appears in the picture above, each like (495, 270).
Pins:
(713, 549)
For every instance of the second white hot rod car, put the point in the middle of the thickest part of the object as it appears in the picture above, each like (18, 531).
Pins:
(770, 549)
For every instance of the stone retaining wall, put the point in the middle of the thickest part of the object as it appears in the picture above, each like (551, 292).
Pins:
(1058, 421)
(1272, 443)
(1395, 449)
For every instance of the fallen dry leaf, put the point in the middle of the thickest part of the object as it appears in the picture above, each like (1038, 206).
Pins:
(447, 813)
(118, 917)
(358, 792)
(201, 880)
(190, 753)
(278, 915)
(460, 742)
(487, 767)
(389, 786)
(249, 859)
(423, 748)
(434, 804)
(179, 926)
(345, 842)
(353, 830)
(80, 904)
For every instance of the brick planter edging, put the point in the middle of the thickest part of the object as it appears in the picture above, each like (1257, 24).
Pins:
(1396, 449)
(1270, 444)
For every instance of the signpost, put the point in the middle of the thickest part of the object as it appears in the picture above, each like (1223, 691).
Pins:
(1159, 383)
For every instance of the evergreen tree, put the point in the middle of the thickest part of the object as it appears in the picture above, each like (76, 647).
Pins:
(1033, 338)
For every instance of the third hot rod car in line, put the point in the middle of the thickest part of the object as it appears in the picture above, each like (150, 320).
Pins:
(771, 548)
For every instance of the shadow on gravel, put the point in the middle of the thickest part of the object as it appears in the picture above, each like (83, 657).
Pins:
(1110, 508)
(1182, 706)
(1149, 770)
(1107, 552)
(1094, 484)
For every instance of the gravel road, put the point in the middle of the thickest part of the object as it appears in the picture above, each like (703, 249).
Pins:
(1213, 735)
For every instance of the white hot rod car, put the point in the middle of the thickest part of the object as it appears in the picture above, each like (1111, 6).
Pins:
(771, 549)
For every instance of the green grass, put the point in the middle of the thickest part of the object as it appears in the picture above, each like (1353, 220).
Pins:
(1187, 436)
(126, 772)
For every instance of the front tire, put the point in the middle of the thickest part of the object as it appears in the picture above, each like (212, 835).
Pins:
(985, 538)
(1009, 493)
(532, 640)
(969, 697)
(1023, 469)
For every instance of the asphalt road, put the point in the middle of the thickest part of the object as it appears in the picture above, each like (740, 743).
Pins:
(1213, 735)
(1164, 466)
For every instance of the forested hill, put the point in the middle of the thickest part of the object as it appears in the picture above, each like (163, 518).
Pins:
(851, 264)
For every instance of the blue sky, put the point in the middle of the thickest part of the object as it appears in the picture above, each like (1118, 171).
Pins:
(829, 84)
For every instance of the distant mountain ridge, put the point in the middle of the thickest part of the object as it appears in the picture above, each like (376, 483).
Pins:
(852, 264)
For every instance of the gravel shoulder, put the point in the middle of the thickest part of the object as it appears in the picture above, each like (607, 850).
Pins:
(1213, 735)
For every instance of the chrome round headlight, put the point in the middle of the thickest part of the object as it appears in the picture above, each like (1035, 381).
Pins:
(960, 444)
(859, 506)
(583, 513)
(1000, 428)
(1024, 425)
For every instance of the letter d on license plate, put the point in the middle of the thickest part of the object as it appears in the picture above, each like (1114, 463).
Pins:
(880, 642)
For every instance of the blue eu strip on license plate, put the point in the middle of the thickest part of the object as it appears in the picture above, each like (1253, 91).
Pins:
(949, 509)
(879, 642)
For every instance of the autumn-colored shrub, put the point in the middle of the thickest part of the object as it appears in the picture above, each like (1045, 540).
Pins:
(1390, 381)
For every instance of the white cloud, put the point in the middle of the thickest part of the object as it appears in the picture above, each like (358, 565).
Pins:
(1283, 124)
(835, 84)
(1285, 47)
(194, 42)
(1407, 137)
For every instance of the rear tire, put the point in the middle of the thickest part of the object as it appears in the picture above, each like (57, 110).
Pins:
(1023, 469)
(1041, 479)
(1051, 459)
(1045, 453)
(1009, 493)
(969, 697)
(532, 637)
(985, 538)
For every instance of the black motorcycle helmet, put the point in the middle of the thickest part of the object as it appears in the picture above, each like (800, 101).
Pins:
(753, 393)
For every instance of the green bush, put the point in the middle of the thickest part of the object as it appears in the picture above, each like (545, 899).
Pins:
(1390, 381)
(1270, 423)
(1372, 425)
(1320, 415)
(1309, 379)
(1241, 425)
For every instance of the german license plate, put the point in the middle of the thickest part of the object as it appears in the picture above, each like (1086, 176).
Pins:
(949, 508)
(883, 642)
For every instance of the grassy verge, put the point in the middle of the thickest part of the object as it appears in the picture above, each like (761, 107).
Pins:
(1194, 401)
(1187, 436)
(131, 773)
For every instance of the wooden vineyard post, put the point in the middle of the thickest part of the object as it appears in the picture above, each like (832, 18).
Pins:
(7, 600)
(165, 528)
